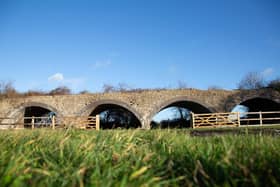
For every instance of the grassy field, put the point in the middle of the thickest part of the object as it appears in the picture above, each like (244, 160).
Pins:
(137, 158)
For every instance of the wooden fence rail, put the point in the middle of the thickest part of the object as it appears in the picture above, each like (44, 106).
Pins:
(235, 119)
(230, 119)
(214, 120)
(53, 122)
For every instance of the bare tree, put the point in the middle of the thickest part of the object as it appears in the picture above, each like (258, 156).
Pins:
(275, 84)
(107, 88)
(252, 80)
(62, 90)
(214, 87)
(122, 87)
(118, 118)
(182, 85)
(7, 89)
(34, 93)
(85, 92)
(183, 113)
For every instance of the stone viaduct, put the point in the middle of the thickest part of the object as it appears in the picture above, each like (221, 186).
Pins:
(143, 104)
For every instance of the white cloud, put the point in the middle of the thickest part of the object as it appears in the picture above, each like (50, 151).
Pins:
(102, 64)
(267, 72)
(58, 77)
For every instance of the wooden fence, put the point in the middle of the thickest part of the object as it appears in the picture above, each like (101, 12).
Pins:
(230, 119)
(7, 123)
(235, 119)
(81, 122)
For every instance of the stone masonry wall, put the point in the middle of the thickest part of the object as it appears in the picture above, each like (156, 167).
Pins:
(144, 104)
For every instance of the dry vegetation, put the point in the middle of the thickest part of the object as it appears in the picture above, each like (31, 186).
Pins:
(252, 80)
(7, 90)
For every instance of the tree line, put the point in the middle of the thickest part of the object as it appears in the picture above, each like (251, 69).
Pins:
(255, 80)
(252, 80)
(7, 90)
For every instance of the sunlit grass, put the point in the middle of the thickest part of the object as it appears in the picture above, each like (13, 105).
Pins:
(135, 158)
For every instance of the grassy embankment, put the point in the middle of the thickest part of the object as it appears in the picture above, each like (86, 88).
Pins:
(135, 158)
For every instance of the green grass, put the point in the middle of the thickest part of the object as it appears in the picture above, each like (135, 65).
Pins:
(137, 158)
(273, 130)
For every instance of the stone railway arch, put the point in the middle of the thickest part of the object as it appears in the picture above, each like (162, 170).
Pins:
(143, 104)
(20, 111)
(95, 104)
(262, 104)
(98, 107)
(257, 104)
(184, 102)
(247, 95)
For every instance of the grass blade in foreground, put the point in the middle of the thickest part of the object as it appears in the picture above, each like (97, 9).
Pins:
(135, 158)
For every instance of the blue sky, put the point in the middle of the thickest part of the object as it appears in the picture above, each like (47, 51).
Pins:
(143, 43)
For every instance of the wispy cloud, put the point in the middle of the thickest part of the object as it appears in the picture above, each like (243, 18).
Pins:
(267, 72)
(57, 77)
(102, 64)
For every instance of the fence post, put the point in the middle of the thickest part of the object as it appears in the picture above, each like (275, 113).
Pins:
(261, 120)
(216, 119)
(192, 120)
(53, 122)
(32, 122)
(238, 119)
(97, 121)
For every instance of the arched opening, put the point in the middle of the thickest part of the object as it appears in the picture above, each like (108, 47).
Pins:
(258, 105)
(261, 104)
(177, 114)
(42, 116)
(114, 116)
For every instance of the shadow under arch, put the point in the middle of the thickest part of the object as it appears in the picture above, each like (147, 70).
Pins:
(262, 104)
(241, 96)
(257, 104)
(115, 108)
(182, 102)
(20, 110)
(30, 109)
